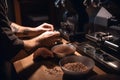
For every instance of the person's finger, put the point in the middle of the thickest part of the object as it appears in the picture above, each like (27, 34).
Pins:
(49, 34)
(47, 29)
(54, 34)
(53, 41)
(46, 25)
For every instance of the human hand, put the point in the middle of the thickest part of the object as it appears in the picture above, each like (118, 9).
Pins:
(44, 27)
(48, 39)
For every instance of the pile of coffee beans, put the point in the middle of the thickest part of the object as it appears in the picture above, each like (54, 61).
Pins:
(76, 67)
(54, 71)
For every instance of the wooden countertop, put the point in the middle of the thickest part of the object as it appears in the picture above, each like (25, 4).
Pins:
(27, 69)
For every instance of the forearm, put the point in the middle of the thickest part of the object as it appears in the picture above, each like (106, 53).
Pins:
(23, 31)
(29, 47)
(29, 44)
(46, 39)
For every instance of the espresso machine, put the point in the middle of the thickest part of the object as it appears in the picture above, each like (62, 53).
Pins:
(103, 35)
(93, 27)
(72, 17)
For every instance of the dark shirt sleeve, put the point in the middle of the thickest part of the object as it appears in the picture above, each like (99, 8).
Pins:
(10, 44)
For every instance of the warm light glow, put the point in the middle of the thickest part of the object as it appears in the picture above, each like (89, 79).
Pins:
(112, 64)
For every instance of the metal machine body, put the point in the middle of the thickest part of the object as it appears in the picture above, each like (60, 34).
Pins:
(71, 18)
(98, 22)
(103, 37)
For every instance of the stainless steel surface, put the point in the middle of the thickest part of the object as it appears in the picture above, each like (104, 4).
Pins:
(105, 59)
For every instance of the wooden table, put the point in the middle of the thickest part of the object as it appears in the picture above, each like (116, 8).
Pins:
(28, 69)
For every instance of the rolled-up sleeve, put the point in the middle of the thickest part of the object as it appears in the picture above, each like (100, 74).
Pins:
(10, 44)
